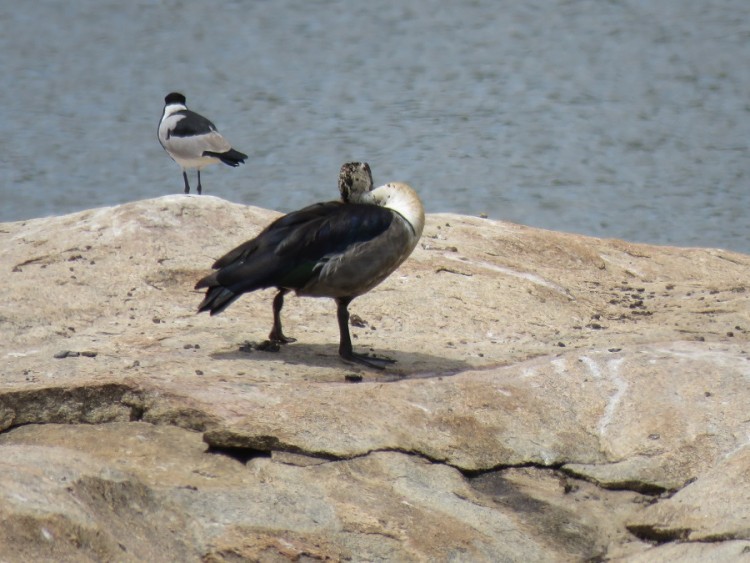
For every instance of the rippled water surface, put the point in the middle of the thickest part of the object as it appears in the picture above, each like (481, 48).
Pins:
(625, 119)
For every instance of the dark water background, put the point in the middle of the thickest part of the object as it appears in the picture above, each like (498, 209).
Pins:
(625, 119)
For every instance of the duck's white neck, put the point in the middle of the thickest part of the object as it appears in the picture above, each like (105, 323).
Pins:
(402, 199)
(172, 108)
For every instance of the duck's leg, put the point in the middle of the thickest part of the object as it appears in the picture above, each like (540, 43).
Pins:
(200, 189)
(187, 185)
(277, 335)
(345, 342)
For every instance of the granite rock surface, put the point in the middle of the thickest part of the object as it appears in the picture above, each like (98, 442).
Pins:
(555, 397)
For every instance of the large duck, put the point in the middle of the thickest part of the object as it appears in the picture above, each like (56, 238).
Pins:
(338, 249)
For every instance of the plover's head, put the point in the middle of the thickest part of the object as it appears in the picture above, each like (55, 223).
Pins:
(174, 98)
(355, 178)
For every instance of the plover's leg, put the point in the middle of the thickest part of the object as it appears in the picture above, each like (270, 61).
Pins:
(187, 186)
(200, 189)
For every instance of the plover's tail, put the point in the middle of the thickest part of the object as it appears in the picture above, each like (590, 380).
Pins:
(230, 158)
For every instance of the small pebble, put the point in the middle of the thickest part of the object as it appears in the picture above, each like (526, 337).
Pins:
(72, 354)
(356, 320)
(353, 377)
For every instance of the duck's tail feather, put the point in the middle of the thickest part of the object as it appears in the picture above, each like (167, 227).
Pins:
(217, 296)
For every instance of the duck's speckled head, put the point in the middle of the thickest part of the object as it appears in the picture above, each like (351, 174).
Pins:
(355, 179)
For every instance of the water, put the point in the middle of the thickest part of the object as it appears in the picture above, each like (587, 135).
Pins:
(625, 119)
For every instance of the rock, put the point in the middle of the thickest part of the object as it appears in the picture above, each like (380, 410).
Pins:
(715, 507)
(618, 419)
(694, 552)
(61, 504)
(555, 397)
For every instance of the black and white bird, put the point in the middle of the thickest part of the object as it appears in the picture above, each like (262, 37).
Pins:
(339, 249)
(192, 140)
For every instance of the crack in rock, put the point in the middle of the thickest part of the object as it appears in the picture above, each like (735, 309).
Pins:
(95, 404)
(659, 535)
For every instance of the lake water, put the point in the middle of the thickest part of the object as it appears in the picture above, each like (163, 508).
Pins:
(626, 119)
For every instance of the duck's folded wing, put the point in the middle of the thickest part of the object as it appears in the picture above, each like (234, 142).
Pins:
(335, 232)
(276, 232)
(289, 252)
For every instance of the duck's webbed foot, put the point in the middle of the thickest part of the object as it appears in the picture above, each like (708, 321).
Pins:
(365, 360)
(280, 338)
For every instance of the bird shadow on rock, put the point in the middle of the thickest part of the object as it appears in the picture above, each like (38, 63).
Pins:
(408, 365)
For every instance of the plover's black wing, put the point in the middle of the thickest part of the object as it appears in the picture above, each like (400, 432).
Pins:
(190, 124)
(192, 135)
